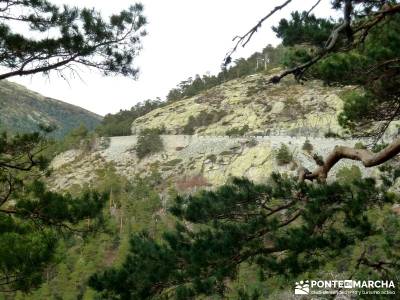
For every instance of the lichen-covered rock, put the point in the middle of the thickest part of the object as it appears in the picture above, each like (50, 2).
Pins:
(214, 158)
(251, 106)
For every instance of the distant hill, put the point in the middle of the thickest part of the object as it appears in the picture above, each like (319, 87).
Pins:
(22, 110)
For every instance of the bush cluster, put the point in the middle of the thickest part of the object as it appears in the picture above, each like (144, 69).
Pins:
(149, 142)
(204, 118)
(284, 156)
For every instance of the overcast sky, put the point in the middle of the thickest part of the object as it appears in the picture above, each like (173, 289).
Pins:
(185, 37)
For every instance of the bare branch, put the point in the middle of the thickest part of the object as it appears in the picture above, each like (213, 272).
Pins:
(244, 39)
(312, 8)
(49, 67)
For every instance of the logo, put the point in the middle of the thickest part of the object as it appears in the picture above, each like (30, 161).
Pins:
(348, 287)
(302, 288)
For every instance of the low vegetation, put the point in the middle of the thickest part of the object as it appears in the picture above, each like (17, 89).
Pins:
(238, 131)
(348, 174)
(149, 142)
(283, 155)
(307, 146)
(204, 118)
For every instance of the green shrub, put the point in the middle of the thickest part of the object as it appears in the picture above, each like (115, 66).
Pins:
(378, 147)
(347, 175)
(148, 143)
(226, 153)
(212, 158)
(284, 156)
(78, 138)
(307, 146)
(173, 162)
(252, 142)
(237, 131)
(202, 119)
(360, 145)
(331, 134)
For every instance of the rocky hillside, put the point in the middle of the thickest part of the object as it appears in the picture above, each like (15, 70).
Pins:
(235, 129)
(22, 110)
(197, 161)
(251, 107)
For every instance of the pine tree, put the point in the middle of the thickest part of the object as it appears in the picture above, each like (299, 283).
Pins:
(31, 216)
(283, 227)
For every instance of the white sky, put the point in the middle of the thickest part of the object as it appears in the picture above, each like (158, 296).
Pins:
(185, 37)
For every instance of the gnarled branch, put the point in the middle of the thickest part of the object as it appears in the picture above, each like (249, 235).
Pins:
(366, 157)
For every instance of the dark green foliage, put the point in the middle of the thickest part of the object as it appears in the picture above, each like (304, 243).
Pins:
(134, 206)
(368, 60)
(307, 146)
(285, 229)
(77, 138)
(119, 124)
(284, 156)
(81, 36)
(296, 55)
(360, 145)
(148, 143)
(331, 134)
(372, 65)
(345, 175)
(238, 131)
(204, 118)
(305, 226)
(304, 28)
(378, 147)
(32, 217)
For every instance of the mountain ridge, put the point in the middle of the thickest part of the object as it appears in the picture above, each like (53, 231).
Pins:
(23, 110)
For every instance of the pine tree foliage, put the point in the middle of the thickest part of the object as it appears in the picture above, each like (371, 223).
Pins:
(31, 216)
(60, 39)
(283, 155)
(119, 124)
(79, 37)
(283, 227)
(368, 58)
(304, 28)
